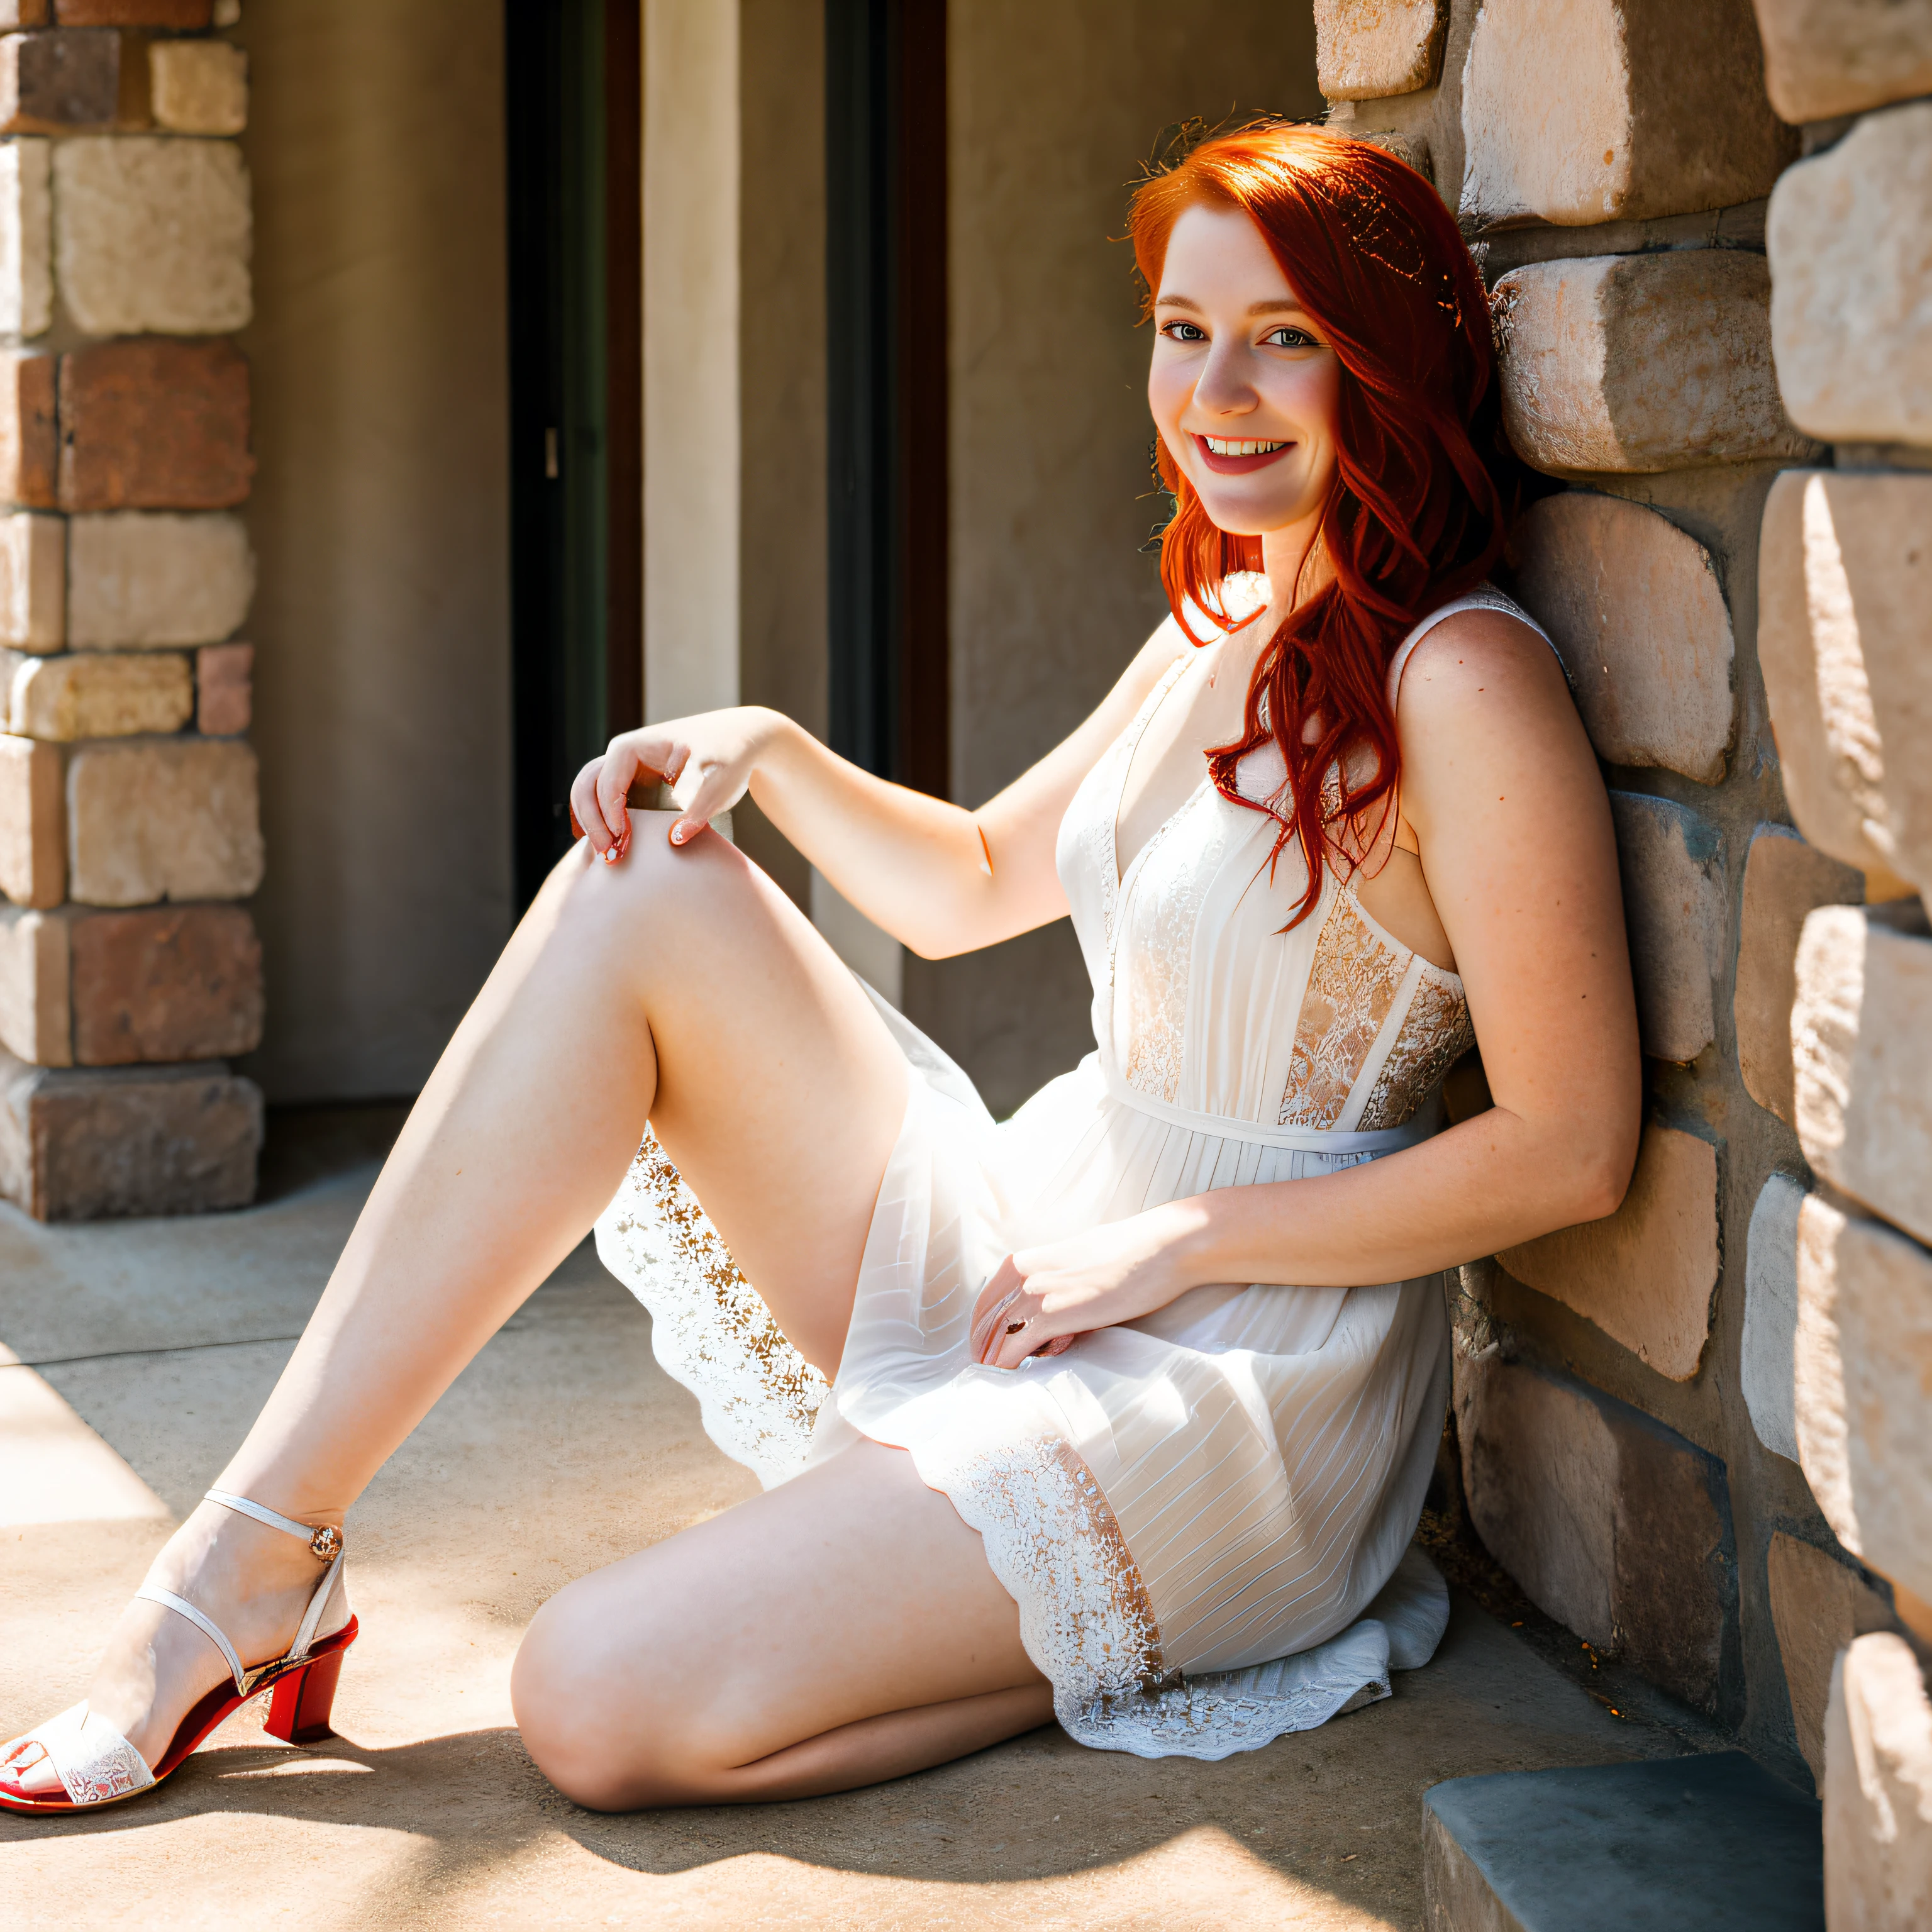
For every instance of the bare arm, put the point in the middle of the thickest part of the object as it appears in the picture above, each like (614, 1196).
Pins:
(1502, 787)
(940, 879)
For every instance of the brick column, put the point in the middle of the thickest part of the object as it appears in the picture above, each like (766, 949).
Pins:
(1845, 578)
(128, 815)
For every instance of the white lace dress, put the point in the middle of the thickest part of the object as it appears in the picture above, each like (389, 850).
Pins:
(1203, 1515)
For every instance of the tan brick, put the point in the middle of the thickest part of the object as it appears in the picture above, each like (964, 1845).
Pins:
(152, 233)
(1849, 236)
(199, 87)
(101, 695)
(29, 451)
(145, 579)
(26, 238)
(1768, 1351)
(1365, 50)
(33, 581)
(1844, 582)
(1825, 58)
(1818, 1606)
(85, 1145)
(1784, 879)
(1672, 862)
(1586, 111)
(52, 83)
(184, 16)
(164, 818)
(152, 423)
(35, 1017)
(224, 690)
(1862, 1043)
(178, 982)
(1878, 1790)
(33, 823)
(1864, 1389)
(1639, 363)
(1636, 612)
(1613, 1525)
(1645, 1274)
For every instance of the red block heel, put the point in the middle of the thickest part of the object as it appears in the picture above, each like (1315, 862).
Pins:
(97, 1766)
(298, 1711)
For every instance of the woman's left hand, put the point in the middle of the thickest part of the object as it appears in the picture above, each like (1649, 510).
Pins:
(1041, 1300)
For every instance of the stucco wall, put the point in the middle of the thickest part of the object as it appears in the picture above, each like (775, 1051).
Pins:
(1051, 111)
(380, 515)
(781, 566)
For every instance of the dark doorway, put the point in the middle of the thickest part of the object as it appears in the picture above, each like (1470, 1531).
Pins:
(572, 118)
(885, 181)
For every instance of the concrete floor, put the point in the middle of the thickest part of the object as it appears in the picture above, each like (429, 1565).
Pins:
(140, 1351)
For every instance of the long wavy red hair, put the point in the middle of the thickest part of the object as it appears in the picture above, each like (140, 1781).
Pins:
(1425, 484)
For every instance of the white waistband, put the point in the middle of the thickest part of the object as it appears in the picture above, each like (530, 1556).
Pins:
(1425, 1121)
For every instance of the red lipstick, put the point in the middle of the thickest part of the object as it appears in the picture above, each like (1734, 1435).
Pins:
(1239, 466)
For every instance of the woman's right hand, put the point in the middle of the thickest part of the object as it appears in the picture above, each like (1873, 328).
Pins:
(707, 760)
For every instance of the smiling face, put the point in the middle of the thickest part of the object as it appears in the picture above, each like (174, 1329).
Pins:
(1244, 387)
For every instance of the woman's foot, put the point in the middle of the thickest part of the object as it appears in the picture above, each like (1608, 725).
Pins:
(254, 1581)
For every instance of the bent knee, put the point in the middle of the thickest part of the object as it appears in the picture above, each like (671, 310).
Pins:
(608, 1737)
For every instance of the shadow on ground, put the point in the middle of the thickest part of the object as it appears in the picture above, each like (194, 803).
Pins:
(563, 1448)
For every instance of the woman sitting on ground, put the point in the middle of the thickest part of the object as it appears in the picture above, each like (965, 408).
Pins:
(1122, 1411)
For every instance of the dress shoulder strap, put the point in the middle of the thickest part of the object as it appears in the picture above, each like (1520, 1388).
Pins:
(1484, 597)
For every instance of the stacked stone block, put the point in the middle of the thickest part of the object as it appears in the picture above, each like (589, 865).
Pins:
(1697, 1432)
(129, 816)
(1845, 571)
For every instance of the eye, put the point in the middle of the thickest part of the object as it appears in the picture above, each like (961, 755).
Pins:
(1183, 332)
(1288, 337)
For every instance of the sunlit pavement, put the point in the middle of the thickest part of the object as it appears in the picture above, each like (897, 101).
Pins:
(142, 1350)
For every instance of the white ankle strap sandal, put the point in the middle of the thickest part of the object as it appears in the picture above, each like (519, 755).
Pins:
(97, 1766)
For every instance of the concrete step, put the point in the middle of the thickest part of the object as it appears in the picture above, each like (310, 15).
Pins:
(1714, 1842)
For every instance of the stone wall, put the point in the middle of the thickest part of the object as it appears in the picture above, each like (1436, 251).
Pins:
(1697, 1432)
(129, 824)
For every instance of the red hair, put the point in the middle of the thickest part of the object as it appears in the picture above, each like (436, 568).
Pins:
(1425, 484)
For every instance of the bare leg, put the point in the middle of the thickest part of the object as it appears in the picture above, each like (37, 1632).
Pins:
(842, 1629)
(682, 986)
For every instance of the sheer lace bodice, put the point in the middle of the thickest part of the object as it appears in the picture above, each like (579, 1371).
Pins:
(1202, 1002)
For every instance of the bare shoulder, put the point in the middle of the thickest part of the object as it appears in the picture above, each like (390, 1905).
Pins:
(1485, 662)
(1484, 696)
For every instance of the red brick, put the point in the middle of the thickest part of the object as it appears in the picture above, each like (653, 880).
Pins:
(83, 1144)
(33, 823)
(168, 982)
(183, 15)
(29, 453)
(23, 13)
(224, 687)
(55, 83)
(151, 423)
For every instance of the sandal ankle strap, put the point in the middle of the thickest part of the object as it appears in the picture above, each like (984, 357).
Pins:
(324, 1544)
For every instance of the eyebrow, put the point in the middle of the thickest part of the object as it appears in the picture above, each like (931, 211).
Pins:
(1274, 307)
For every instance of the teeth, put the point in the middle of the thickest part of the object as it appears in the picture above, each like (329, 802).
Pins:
(1222, 446)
